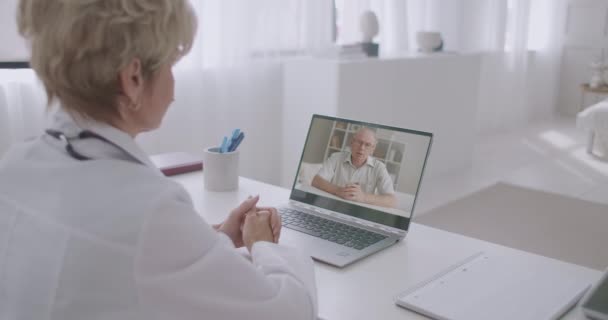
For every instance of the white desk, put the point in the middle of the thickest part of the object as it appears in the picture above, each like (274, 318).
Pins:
(365, 290)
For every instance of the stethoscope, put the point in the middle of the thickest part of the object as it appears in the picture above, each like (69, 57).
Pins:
(85, 134)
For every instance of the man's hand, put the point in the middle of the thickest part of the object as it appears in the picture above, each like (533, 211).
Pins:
(233, 225)
(341, 192)
(353, 192)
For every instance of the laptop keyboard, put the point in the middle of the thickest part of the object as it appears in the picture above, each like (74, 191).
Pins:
(330, 230)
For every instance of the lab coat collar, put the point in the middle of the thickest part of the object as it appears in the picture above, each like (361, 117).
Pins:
(71, 125)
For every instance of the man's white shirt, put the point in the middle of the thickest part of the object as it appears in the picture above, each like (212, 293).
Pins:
(372, 176)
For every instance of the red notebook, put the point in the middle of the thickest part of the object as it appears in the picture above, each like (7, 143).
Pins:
(174, 163)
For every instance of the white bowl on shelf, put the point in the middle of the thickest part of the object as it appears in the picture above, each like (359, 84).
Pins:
(428, 41)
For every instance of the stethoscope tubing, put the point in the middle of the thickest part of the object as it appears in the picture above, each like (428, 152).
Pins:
(85, 134)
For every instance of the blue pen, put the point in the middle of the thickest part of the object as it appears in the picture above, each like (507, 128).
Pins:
(235, 134)
(224, 145)
(237, 142)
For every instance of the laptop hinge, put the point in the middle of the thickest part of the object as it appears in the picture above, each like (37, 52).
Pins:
(394, 231)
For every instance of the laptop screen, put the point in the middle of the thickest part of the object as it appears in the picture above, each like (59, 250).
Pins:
(365, 170)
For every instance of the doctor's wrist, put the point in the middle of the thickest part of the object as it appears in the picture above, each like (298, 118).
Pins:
(233, 237)
(226, 239)
(257, 244)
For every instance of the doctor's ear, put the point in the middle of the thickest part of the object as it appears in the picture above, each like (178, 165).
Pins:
(131, 82)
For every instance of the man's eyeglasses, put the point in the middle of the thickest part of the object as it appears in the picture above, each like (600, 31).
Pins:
(364, 144)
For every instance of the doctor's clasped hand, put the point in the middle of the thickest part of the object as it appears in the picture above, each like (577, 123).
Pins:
(251, 222)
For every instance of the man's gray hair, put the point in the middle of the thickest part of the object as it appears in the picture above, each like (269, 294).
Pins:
(370, 130)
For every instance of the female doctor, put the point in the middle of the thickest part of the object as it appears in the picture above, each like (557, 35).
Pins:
(89, 228)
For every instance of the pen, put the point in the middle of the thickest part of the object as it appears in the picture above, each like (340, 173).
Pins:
(235, 134)
(235, 144)
(224, 146)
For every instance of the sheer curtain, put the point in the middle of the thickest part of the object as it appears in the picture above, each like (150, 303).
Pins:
(503, 94)
(519, 84)
(547, 22)
(22, 107)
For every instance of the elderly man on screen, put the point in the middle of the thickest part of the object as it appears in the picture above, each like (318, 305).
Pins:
(356, 175)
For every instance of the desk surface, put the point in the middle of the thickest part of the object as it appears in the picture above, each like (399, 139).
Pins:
(366, 289)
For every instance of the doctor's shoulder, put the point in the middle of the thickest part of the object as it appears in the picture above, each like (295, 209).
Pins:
(141, 182)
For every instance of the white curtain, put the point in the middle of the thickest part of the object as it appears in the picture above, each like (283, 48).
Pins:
(236, 32)
(519, 84)
(547, 23)
(22, 107)
(17, 86)
(503, 93)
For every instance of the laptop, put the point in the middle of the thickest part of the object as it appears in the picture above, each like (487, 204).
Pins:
(355, 189)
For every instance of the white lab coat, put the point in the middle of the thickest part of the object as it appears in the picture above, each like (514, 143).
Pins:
(112, 238)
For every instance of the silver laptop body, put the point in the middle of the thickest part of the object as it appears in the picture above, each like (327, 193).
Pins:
(337, 231)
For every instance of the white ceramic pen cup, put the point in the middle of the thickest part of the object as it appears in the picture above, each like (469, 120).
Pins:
(221, 170)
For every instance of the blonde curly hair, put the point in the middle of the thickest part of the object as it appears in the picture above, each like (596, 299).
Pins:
(78, 47)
